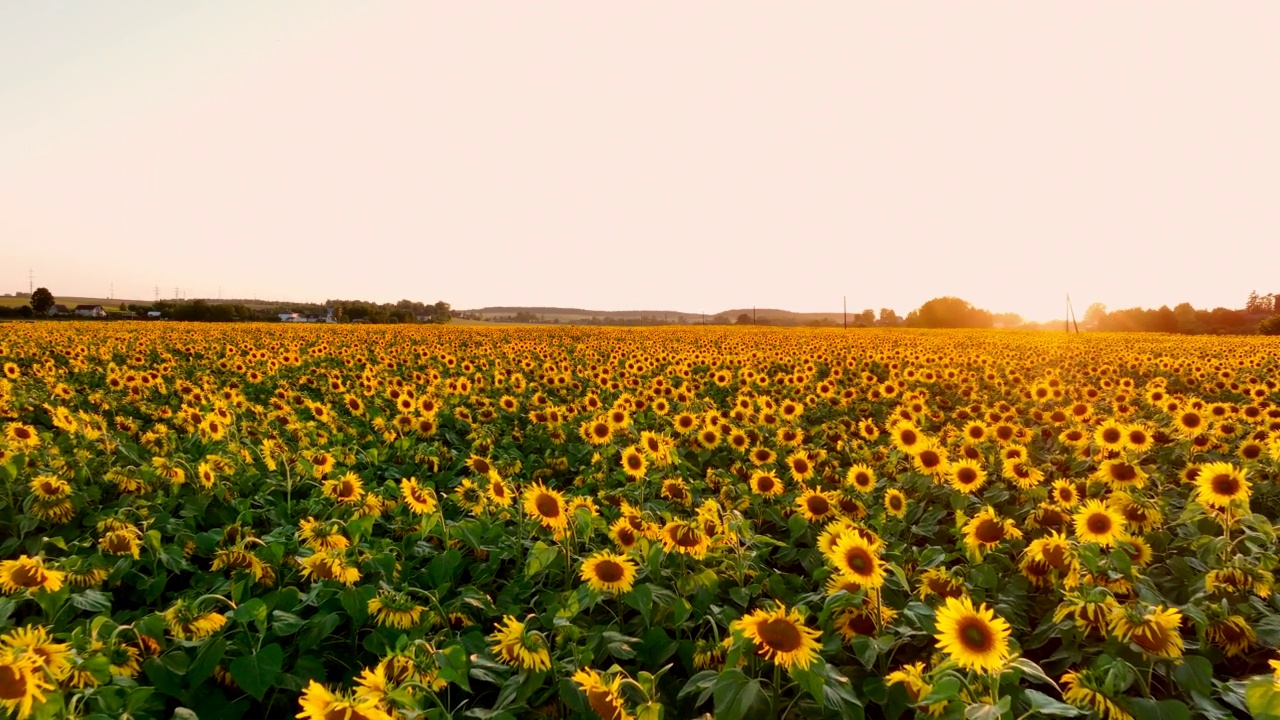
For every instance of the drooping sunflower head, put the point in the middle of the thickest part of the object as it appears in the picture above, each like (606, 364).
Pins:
(518, 647)
(604, 696)
(1154, 630)
(987, 530)
(685, 537)
(29, 573)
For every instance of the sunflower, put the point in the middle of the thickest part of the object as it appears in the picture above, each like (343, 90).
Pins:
(604, 697)
(1110, 435)
(633, 462)
(975, 638)
(518, 647)
(1189, 422)
(940, 582)
(607, 571)
(1054, 550)
(1120, 475)
(624, 535)
(240, 560)
(35, 641)
(1140, 514)
(1085, 691)
(1155, 630)
(1137, 437)
(930, 459)
(469, 496)
(975, 432)
(853, 622)
(547, 506)
(420, 500)
(21, 435)
(801, 465)
(318, 703)
(29, 573)
(498, 492)
(395, 609)
(781, 636)
(766, 483)
(1096, 522)
(761, 455)
(1220, 484)
(816, 505)
(347, 489)
(124, 541)
(1233, 634)
(895, 502)
(48, 487)
(685, 537)
(1064, 493)
(861, 478)
(22, 684)
(187, 623)
(966, 476)
(856, 559)
(329, 565)
(319, 535)
(986, 530)
(911, 678)
(907, 437)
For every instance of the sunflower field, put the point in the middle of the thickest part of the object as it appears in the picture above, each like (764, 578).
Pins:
(365, 523)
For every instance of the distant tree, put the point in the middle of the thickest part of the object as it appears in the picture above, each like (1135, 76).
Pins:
(889, 318)
(951, 312)
(1270, 326)
(866, 318)
(1165, 320)
(744, 319)
(1188, 319)
(1008, 320)
(1257, 303)
(441, 312)
(1095, 316)
(42, 300)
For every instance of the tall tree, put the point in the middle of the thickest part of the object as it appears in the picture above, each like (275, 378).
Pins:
(1095, 316)
(42, 300)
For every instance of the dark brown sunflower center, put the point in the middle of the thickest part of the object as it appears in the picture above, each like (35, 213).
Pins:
(800, 465)
(547, 506)
(609, 571)
(818, 505)
(1224, 484)
(989, 531)
(688, 537)
(781, 635)
(1098, 523)
(975, 635)
(1123, 472)
(118, 543)
(1152, 638)
(859, 561)
(22, 433)
(605, 704)
(1111, 436)
(930, 459)
(1055, 556)
(13, 685)
(1191, 420)
(1251, 451)
(765, 483)
(27, 576)
(908, 437)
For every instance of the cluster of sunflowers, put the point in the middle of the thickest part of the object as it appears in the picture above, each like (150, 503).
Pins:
(368, 523)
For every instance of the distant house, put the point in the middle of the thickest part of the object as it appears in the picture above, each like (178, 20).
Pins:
(154, 313)
(58, 310)
(90, 311)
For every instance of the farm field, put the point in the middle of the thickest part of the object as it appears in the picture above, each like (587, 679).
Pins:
(372, 522)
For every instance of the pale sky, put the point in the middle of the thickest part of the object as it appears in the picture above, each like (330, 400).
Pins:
(663, 155)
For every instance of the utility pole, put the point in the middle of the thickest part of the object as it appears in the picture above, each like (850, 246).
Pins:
(31, 281)
(845, 312)
(753, 314)
(157, 293)
(1071, 312)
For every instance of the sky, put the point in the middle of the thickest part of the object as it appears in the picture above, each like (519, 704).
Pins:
(663, 155)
